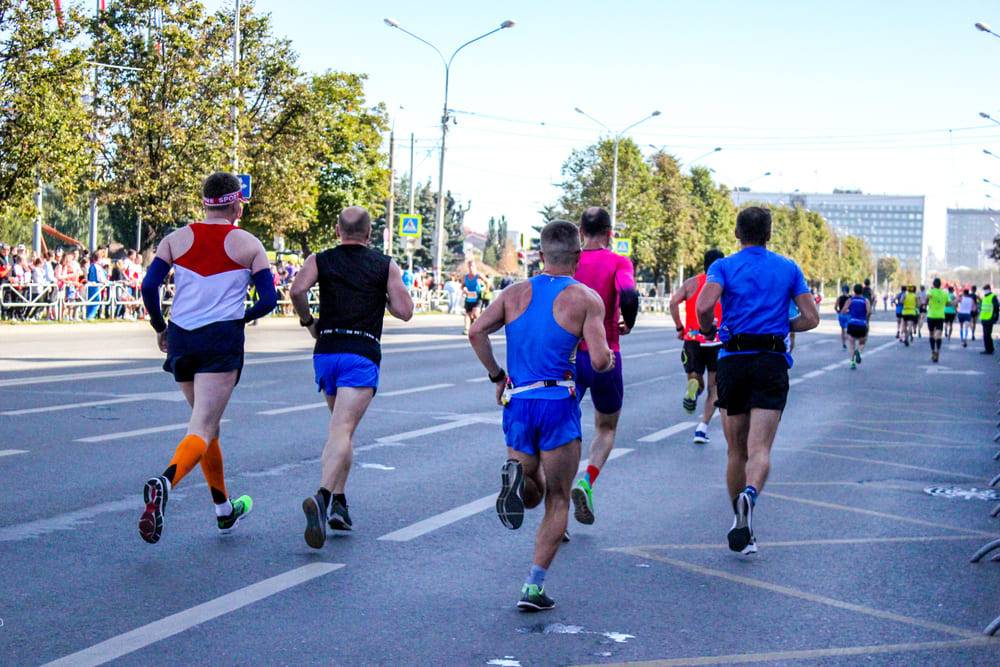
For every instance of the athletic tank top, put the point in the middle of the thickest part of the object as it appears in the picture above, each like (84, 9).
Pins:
(353, 283)
(471, 288)
(949, 307)
(937, 299)
(692, 329)
(965, 305)
(910, 304)
(858, 310)
(209, 286)
(538, 348)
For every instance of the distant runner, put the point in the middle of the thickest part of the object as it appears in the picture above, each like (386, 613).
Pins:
(910, 314)
(975, 311)
(699, 355)
(950, 309)
(937, 301)
(357, 284)
(858, 310)
(471, 288)
(965, 306)
(898, 301)
(842, 316)
(757, 287)
(612, 277)
(545, 318)
(922, 307)
(214, 263)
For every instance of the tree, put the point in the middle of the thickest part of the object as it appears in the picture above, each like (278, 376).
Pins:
(716, 216)
(425, 204)
(44, 125)
(887, 268)
(672, 240)
(496, 241)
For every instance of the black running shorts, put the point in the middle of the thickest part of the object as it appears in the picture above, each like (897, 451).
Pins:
(910, 318)
(949, 317)
(470, 306)
(185, 366)
(697, 358)
(934, 324)
(747, 381)
(857, 330)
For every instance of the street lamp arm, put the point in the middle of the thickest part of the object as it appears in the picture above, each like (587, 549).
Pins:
(471, 41)
(421, 39)
(587, 115)
(639, 122)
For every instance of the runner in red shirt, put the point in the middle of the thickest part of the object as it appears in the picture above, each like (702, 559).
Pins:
(699, 355)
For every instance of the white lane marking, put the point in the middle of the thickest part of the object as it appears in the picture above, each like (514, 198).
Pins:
(637, 356)
(658, 378)
(156, 631)
(70, 520)
(667, 432)
(893, 464)
(830, 367)
(377, 466)
(12, 452)
(149, 370)
(812, 374)
(415, 390)
(431, 524)
(314, 406)
(670, 351)
(479, 379)
(136, 433)
(795, 381)
(156, 396)
(428, 430)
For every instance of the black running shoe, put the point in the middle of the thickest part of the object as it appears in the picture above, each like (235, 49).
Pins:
(533, 598)
(340, 519)
(565, 537)
(315, 510)
(154, 493)
(510, 506)
(740, 536)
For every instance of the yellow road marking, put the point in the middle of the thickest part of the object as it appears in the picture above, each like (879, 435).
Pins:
(881, 515)
(808, 597)
(778, 656)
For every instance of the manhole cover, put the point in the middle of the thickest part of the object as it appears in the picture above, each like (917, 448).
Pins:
(963, 492)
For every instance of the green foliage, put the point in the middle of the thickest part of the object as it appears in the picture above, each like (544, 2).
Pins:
(425, 204)
(44, 124)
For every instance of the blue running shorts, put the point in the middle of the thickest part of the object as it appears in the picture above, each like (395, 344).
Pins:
(344, 370)
(607, 390)
(533, 425)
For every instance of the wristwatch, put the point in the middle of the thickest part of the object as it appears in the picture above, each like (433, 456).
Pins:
(680, 329)
(499, 377)
(307, 323)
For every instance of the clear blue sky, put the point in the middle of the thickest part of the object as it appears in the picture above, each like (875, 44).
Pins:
(848, 94)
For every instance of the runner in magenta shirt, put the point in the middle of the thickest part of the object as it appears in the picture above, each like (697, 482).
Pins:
(613, 278)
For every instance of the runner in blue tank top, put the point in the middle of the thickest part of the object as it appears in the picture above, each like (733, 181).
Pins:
(545, 319)
(857, 311)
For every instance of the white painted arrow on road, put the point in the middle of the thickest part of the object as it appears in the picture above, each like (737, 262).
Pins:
(944, 370)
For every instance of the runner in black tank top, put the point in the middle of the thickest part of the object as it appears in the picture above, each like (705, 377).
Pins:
(356, 285)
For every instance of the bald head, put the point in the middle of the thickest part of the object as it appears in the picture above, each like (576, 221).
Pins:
(354, 224)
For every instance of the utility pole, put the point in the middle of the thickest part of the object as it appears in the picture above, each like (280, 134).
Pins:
(390, 209)
(236, 89)
(411, 172)
(138, 232)
(92, 239)
(36, 241)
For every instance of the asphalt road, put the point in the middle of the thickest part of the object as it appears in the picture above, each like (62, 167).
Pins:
(857, 562)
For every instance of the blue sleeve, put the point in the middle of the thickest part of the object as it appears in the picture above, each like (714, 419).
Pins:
(799, 285)
(267, 297)
(155, 276)
(716, 273)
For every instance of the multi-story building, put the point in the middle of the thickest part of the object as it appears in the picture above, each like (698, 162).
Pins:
(891, 225)
(969, 237)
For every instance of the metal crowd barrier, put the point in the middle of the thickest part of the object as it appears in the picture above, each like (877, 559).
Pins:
(992, 545)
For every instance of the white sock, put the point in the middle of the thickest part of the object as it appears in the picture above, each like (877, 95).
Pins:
(224, 509)
(702, 426)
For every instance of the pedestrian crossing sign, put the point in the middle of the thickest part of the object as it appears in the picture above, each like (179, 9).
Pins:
(409, 225)
(623, 247)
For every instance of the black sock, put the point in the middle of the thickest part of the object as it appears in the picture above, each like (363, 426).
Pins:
(326, 496)
(340, 498)
(170, 472)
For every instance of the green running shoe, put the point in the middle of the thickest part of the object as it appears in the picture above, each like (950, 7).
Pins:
(534, 599)
(241, 507)
(690, 401)
(583, 501)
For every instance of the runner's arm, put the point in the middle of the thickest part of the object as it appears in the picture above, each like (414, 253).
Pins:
(155, 275)
(490, 321)
(628, 296)
(601, 357)
(705, 307)
(808, 313)
(676, 299)
(400, 302)
(299, 291)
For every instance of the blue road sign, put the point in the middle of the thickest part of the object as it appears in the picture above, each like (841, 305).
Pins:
(623, 246)
(245, 185)
(409, 225)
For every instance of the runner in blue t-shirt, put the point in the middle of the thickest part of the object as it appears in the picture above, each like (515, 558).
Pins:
(757, 288)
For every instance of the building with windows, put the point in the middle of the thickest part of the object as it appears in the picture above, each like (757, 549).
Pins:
(970, 233)
(891, 225)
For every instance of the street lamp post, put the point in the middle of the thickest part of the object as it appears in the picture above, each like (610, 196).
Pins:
(985, 27)
(983, 114)
(236, 90)
(445, 117)
(747, 185)
(614, 170)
